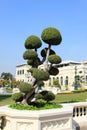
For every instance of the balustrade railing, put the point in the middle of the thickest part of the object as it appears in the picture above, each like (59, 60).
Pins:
(79, 109)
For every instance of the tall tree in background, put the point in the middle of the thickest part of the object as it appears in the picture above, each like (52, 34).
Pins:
(6, 76)
(41, 68)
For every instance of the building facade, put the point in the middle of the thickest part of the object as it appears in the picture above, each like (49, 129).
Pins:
(68, 72)
(23, 75)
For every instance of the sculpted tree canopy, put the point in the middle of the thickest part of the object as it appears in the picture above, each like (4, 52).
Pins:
(51, 36)
(29, 54)
(54, 59)
(43, 64)
(53, 71)
(32, 42)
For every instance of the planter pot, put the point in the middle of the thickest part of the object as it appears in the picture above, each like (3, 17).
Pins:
(51, 119)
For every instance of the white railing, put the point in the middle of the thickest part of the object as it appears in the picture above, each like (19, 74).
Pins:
(80, 109)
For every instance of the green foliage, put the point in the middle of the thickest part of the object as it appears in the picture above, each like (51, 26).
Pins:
(53, 71)
(29, 54)
(39, 103)
(6, 76)
(30, 62)
(3, 83)
(44, 92)
(40, 83)
(25, 87)
(44, 52)
(47, 95)
(51, 36)
(40, 106)
(33, 42)
(14, 83)
(34, 62)
(39, 74)
(17, 97)
(54, 59)
(38, 96)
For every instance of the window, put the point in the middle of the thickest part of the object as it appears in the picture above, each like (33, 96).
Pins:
(66, 80)
(22, 71)
(61, 80)
(18, 72)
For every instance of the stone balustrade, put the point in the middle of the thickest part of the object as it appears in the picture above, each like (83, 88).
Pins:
(79, 109)
(51, 119)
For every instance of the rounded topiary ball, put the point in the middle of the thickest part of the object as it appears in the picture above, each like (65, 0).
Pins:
(33, 42)
(54, 59)
(53, 71)
(25, 87)
(49, 96)
(17, 97)
(51, 36)
(38, 96)
(29, 54)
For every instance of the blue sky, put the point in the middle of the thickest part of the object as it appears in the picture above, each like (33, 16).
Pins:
(21, 18)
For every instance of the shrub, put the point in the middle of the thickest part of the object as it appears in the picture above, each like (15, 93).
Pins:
(38, 96)
(17, 97)
(25, 87)
(48, 95)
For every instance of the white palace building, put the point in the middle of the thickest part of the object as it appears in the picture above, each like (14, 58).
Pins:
(68, 70)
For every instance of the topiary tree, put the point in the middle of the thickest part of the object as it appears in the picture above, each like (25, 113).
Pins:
(41, 68)
(51, 36)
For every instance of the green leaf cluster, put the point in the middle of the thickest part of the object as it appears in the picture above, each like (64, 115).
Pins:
(39, 74)
(17, 97)
(25, 87)
(29, 54)
(54, 59)
(51, 36)
(33, 42)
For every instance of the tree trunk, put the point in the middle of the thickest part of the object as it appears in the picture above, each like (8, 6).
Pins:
(47, 55)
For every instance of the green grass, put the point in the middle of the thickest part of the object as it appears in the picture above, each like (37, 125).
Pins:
(5, 100)
(73, 97)
(60, 98)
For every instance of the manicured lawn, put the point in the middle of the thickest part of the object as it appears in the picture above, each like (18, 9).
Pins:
(60, 98)
(5, 100)
(73, 97)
